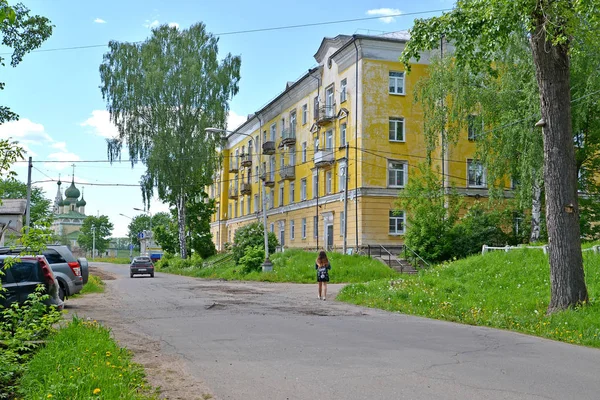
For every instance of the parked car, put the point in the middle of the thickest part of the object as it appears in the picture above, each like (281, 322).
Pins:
(22, 278)
(68, 270)
(141, 265)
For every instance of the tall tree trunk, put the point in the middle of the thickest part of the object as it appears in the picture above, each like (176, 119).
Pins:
(560, 177)
(536, 211)
(181, 226)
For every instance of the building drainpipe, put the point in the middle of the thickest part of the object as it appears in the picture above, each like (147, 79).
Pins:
(356, 144)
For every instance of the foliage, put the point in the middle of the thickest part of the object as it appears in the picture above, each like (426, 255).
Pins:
(251, 235)
(478, 227)
(22, 33)
(82, 361)
(41, 207)
(21, 329)
(501, 290)
(252, 259)
(430, 215)
(93, 285)
(162, 94)
(295, 266)
(198, 214)
(102, 228)
(138, 224)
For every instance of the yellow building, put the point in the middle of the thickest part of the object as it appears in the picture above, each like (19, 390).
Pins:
(350, 121)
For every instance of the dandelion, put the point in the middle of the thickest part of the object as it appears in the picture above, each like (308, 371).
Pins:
(108, 354)
(96, 391)
(49, 396)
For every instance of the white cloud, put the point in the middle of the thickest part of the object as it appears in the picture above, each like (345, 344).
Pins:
(174, 25)
(234, 120)
(99, 21)
(100, 121)
(25, 131)
(151, 24)
(66, 157)
(386, 12)
(60, 146)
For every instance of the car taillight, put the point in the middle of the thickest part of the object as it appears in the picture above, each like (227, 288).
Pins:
(75, 267)
(47, 271)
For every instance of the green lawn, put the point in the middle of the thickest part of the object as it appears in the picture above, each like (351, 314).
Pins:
(81, 361)
(502, 290)
(292, 266)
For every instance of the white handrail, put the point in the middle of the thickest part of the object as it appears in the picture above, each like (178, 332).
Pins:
(486, 248)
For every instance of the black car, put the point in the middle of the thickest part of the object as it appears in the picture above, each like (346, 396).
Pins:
(23, 276)
(141, 265)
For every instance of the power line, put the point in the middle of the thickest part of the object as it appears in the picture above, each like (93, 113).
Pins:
(269, 29)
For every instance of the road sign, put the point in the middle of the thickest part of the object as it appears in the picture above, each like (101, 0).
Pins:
(130, 247)
(141, 235)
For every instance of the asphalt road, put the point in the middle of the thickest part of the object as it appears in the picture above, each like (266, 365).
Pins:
(254, 341)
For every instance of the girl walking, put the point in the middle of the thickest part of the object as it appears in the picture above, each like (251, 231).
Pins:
(322, 266)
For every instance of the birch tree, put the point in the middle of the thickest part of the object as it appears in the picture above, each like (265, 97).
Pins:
(162, 94)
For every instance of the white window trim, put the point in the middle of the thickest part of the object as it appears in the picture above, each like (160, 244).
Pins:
(403, 224)
(305, 114)
(405, 163)
(484, 185)
(292, 192)
(403, 129)
(292, 230)
(343, 90)
(395, 86)
(343, 128)
(328, 182)
(303, 187)
(303, 228)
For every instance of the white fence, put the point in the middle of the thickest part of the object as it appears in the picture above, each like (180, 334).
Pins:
(544, 248)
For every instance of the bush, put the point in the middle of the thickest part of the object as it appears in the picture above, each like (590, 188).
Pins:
(251, 235)
(252, 259)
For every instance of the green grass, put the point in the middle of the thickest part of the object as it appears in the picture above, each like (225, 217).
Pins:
(113, 260)
(294, 266)
(501, 290)
(81, 361)
(93, 285)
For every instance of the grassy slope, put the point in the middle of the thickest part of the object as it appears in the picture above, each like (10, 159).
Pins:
(81, 361)
(297, 266)
(502, 290)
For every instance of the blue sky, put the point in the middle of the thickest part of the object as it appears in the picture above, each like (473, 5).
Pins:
(57, 95)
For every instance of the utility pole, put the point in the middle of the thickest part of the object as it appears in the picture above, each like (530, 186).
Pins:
(346, 199)
(93, 242)
(28, 204)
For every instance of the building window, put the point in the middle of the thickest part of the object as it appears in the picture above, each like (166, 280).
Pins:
(327, 182)
(475, 174)
(303, 228)
(304, 114)
(242, 207)
(272, 199)
(273, 132)
(293, 123)
(342, 177)
(397, 173)
(315, 183)
(475, 126)
(343, 135)
(316, 107)
(316, 144)
(303, 152)
(292, 156)
(396, 222)
(272, 227)
(343, 85)
(280, 195)
(396, 129)
(255, 203)
(282, 126)
(229, 211)
(249, 206)
(235, 207)
(342, 233)
(396, 85)
(303, 189)
(281, 160)
(316, 226)
(292, 191)
(292, 230)
(329, 140)
(256, 174)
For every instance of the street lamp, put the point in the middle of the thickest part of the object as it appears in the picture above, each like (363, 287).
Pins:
(130, 241)
(267, 265)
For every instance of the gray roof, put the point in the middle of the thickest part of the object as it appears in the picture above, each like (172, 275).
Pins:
(13, 206)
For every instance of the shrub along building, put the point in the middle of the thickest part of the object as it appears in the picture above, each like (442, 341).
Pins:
(350, 122)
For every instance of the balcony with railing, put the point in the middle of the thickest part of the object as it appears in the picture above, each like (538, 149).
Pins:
(234, 164)
(288, 172)
(247, 160)
(268, 177)
(326, 114)
(246, 188)
(324, 157)
(268, 148)
(288, 136)
(233, 193)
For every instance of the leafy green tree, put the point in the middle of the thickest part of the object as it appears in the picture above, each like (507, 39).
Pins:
(430, 215)
(162, 94)
(251, 235)
(102, 227)
(22, 33)
(138, 224)
(41, 207)
(478, 29)
(199, 211)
